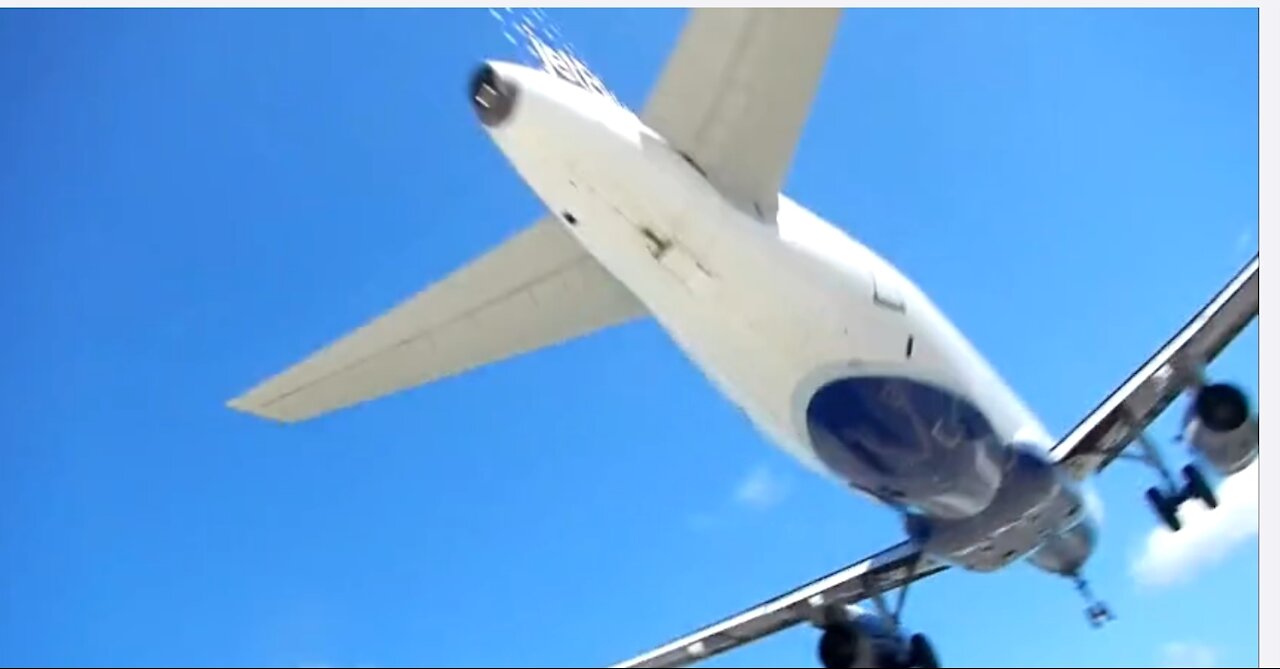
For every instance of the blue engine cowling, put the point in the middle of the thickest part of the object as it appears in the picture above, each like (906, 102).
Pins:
(865, 639)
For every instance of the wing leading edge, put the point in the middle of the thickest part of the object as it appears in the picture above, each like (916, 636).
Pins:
(1103, 434)
(534, 290)
(1087, 449)
(884, 571)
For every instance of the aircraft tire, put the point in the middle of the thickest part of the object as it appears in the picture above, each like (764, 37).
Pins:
(837, 647)
(921, 653)
(1198, 487)
(1164, 508)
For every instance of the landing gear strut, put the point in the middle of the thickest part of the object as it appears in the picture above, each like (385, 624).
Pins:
(1098, 613)
(1165, 499)
(919, 651)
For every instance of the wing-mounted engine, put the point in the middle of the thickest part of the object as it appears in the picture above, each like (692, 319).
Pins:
(866, 639)
(1222, 427)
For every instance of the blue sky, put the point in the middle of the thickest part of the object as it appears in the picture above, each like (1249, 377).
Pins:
(193, 200)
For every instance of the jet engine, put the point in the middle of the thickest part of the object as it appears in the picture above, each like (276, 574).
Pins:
(1221, 426)
(869, 640)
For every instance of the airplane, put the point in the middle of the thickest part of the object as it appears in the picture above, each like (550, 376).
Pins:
(675, 213)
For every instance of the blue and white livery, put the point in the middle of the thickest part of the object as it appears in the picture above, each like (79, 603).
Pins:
(674, 213)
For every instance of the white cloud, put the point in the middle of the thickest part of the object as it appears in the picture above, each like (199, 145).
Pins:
(1188, 654)
(760, 489)
(1207, 536)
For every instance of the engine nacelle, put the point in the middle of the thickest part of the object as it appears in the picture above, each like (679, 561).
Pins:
(862, 639)
(1222, 428)
(855, 637)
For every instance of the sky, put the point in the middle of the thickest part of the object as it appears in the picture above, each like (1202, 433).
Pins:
(193, 200)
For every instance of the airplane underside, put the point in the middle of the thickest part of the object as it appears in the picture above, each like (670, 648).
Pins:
(654, 215)
(907, 443)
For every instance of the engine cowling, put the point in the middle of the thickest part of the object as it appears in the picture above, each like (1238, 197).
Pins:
(1221, 426)
(853, 643)
(865, 639)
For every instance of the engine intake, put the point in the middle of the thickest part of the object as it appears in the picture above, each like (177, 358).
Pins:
(1222, 407)
(1221, 427)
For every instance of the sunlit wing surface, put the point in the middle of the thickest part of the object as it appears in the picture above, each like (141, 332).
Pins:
(885, 571)
(1116, 422)
(534, 290)
(1086, 449)
(736, 92)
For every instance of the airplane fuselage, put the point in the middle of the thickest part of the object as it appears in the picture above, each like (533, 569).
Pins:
(834, 354)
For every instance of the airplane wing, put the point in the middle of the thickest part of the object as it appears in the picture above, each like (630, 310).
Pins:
(736, 91)
(884, 571)
(1095, 441)
(536, 289)
(1086, 449)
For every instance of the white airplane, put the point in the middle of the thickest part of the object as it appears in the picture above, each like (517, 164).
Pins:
(675, 214)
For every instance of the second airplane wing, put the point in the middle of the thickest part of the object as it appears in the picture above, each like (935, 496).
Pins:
(886, 570)
(1088, 448)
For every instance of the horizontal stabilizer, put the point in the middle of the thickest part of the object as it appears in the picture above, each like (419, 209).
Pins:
(536, 289)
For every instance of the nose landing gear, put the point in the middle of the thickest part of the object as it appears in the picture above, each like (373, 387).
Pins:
(1098, 613)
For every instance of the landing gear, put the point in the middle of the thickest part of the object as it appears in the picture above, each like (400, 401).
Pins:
(1098, 613)
(1165, 508)
(1166, 504)
(1197, 487)
(1166, 498)
(837, 647)
(918, 653)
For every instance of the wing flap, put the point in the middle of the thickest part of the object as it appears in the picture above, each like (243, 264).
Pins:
(536, 289)
(735, 94)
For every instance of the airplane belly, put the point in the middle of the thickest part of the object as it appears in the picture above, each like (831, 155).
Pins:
(784, 327)
(645, 243)
(907, 442)
(775, 333)
(1036, 507)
